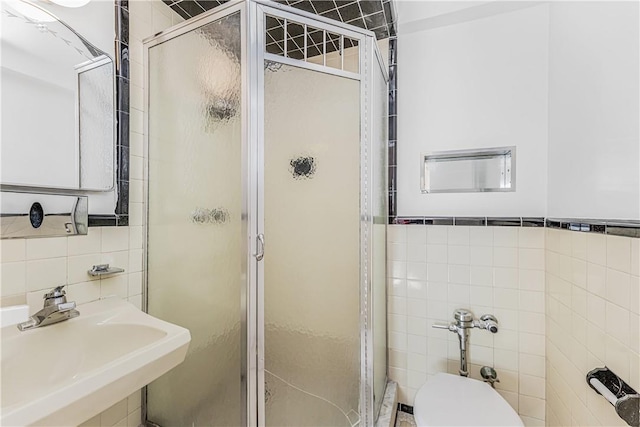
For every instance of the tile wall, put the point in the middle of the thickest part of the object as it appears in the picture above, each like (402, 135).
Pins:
(593, 307)
(500, 270)
(29, 267)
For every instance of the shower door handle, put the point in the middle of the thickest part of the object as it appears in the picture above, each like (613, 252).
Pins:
(259, 247)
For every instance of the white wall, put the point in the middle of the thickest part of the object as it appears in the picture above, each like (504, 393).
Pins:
(473, 78)
(559, 80)
(594, 115)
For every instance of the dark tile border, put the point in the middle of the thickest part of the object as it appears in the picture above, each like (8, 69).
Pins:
(121, 214)
(612, 227)
(408, 409)
(393, 126)
(473, 221)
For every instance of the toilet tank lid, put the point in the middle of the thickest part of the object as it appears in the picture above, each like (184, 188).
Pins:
(447, 399)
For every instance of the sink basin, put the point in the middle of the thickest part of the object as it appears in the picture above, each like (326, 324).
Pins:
(64, 374)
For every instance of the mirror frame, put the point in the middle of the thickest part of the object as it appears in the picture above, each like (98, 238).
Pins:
(121, 214)
(120, 217)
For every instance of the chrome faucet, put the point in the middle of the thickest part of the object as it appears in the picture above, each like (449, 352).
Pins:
(56, 309)
(464, 322)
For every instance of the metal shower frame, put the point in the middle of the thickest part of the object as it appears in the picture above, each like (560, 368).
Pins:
(253, 55)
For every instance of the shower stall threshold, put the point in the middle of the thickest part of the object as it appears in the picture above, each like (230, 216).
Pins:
(388, 411)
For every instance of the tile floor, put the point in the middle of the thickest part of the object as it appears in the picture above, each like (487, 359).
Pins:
(404, 419)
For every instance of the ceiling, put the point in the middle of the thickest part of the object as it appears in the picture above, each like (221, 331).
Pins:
(374, 15)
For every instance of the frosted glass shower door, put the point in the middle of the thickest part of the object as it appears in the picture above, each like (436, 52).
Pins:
(196, 232)
(312, 257)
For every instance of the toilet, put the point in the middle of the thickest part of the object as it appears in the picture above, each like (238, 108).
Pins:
(451, 400)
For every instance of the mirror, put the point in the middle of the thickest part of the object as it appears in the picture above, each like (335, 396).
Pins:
(58, 96)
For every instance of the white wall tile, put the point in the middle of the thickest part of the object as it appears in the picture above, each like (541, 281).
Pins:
(597, 249)
(437, 235)
(506, 298)
(83, 292)
(417, 325)
(136, 237)
(619, 253)
(532, 301)
(397, 359)
(531, 237)
(397, 269)
(579, 245)
(505, 237)
(397, 233)
(437, 272)
(115, 239)
(397, 287)
(416, 344)
(397, 251)
(531, 258)
(415, 270)
(135, 284)
(116, 285)
(458, 254)
(531, 344)
(416, 362)
(481, 276)
(458, 294)
(505, 277)
(634, 294)
(135, 260)
(531, 322)
(437, 253)
(397, 305)
(458, 235)
(596, 279)
(596, 309)
(46, 248)
(78, 266)
(505, 359)
(618, 287)
(13, 278)
(416, 253)
(531, 407)
(417, 308)
(437, 291)
(481, 296)
(531, 280)
(635, 257)
(505, 257)
(459, 274)
(116, 259)
(46, 273)
(481, 255)
(532, 365)
(12, 250)
(397, 323)
(617, 322)
(481, 236)
(416, 235)
(416, 290)
(88, 244)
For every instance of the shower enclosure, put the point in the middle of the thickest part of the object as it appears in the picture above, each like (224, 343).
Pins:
(266, 143)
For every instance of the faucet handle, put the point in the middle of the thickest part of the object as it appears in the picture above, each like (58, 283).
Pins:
(56, 292)
(66, 306)
(447, 326)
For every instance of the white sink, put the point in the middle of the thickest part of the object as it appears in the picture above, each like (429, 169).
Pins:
(64, 374)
